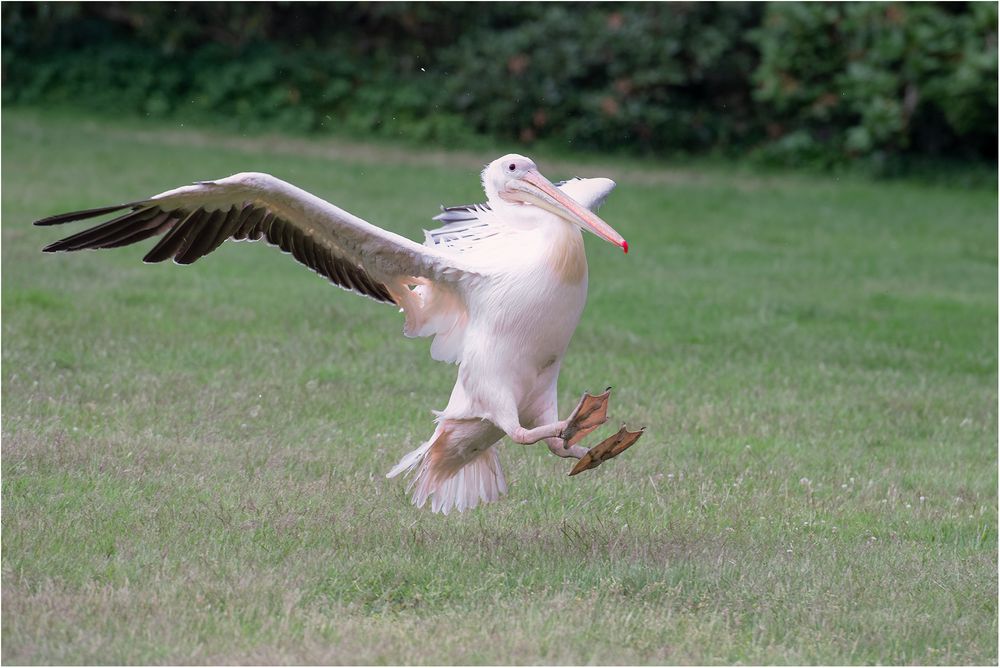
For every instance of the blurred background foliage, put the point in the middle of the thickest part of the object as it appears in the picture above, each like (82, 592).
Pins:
(816, 84)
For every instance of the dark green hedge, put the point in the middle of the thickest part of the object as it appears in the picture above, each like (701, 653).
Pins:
(875, 79)
(820, 83)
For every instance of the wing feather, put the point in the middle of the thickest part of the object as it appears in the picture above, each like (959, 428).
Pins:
(198, 236)
(106, 232)
(249, 222)
(170, 243)
(591, 193)
(195, 220)
(139, 233)
(85, 213)
(465, 225)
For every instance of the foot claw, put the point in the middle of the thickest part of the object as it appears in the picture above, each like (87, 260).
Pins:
(607, 449)
(589, 414)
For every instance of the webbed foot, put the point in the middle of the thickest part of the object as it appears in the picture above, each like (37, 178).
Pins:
(607, 449)
(589, 414)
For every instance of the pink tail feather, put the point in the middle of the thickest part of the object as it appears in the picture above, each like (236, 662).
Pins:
(456, 469)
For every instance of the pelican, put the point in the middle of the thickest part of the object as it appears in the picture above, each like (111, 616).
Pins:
(500, 287)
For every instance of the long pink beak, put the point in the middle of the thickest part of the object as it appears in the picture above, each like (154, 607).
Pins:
(533, 188)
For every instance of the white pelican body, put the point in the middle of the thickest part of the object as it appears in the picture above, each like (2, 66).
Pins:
(500, 288)
(521, 317)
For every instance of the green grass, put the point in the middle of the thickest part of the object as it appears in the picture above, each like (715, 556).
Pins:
(194, 458)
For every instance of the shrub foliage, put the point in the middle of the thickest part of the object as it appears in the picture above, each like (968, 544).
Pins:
(874, 79)
(822, 83)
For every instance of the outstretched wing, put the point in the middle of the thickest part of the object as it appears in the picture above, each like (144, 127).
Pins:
(195, 220)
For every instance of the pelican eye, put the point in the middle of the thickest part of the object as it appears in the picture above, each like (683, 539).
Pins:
(512, 166)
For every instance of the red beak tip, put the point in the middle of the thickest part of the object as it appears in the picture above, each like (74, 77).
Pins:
(625, 247)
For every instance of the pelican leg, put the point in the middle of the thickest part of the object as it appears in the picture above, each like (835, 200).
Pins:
(562, 436)
(559, 448)
(545, 432)
(589, 414)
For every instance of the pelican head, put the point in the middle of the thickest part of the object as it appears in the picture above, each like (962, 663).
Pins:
(515, 180)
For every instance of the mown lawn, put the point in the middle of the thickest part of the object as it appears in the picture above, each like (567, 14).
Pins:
(194, 458)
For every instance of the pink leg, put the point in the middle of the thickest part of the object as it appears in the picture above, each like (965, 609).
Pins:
(562, 435)
(529, 436)
(559, 448)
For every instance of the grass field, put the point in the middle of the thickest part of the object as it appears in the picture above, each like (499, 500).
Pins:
(194, 458)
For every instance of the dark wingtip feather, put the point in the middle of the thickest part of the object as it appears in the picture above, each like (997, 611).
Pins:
(81, 215)
(171, 242)
(54, 247)
(112, 231)
(200, 237)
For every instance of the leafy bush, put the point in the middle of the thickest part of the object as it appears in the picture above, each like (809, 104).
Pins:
(651, 76)
(876, 80)
(818, 83)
